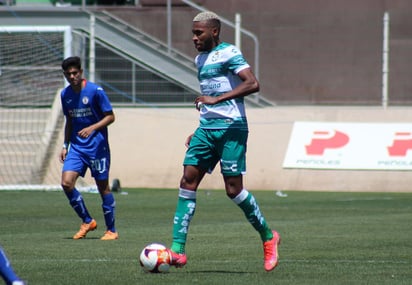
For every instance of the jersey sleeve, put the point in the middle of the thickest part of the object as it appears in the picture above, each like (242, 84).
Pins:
(236, 61)
(103, 99)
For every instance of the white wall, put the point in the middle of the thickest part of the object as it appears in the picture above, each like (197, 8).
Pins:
(148, 148)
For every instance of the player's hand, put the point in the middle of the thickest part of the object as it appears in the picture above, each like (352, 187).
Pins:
(188, 139)
(198, 103)
(209, 100)
(85, 133)
(63, 154)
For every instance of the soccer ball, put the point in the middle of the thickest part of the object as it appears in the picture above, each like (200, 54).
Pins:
(155, 258)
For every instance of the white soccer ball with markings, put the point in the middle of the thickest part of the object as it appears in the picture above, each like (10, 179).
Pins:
(155, 258)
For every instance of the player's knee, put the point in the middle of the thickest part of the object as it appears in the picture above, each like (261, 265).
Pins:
(233, 186)
(188, 182)
(192, 176)
(67, 185)
(68, 180)
(232, 193)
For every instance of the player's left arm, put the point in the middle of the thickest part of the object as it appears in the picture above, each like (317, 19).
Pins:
(104, 122)
(249, 85)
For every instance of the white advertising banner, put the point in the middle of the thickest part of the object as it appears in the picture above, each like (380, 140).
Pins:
(369, 146)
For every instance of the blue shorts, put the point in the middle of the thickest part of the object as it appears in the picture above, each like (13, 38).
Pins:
(99, 163)
(227, 146)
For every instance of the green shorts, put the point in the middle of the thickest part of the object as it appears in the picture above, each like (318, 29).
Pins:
(227, 146)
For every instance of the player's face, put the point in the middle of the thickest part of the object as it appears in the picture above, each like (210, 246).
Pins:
(203, 36)
(74, 76)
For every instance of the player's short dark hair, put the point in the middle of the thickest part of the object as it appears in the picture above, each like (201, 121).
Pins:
(73, 61)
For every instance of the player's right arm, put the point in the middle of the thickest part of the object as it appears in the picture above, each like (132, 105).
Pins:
(248, 85)
(67, 132)
(104, 122)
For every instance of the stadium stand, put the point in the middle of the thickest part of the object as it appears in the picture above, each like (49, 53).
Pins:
(313, 54)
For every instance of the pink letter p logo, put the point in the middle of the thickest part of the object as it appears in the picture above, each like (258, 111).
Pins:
(401, 144)
(318, 145)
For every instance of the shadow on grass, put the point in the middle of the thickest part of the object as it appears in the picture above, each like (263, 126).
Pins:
(87, 238)
(218, 272)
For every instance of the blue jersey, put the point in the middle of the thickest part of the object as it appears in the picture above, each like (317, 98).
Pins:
(84, 109)
(218, 73)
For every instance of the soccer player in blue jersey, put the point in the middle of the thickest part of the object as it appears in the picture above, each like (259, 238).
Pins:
(225, 79)
(7, 272)
(88, 113)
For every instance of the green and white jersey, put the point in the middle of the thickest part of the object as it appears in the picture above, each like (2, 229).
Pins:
(218, 74)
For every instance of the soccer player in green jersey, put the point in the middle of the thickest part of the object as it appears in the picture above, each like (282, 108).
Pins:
(225, 79)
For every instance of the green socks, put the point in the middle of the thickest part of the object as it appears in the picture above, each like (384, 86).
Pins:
(185, 210)
(250, 208)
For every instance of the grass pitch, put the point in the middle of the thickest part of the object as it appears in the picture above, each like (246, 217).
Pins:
(327, 238)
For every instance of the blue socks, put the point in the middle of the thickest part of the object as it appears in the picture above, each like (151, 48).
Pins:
(108, 207)
(79, 206)
(6, 271)
(77, 203)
